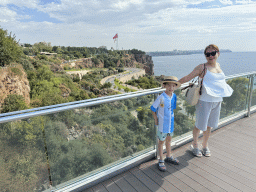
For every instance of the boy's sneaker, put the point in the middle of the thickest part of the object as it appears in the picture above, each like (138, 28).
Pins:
(161, 165)
(172, 160)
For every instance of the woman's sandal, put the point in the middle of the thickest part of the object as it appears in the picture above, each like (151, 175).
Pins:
(172, 160)
(196, 151)
(161, 165)
(206, 152)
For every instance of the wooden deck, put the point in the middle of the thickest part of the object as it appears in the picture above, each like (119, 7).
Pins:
(232, 166)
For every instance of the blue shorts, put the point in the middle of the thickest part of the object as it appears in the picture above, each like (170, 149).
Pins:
(162, 136)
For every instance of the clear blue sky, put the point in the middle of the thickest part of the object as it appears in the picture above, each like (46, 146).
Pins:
(148, 25)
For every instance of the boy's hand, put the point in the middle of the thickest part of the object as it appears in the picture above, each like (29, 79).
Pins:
(156, 122)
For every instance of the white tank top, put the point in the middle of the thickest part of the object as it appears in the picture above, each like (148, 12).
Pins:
(215, 87)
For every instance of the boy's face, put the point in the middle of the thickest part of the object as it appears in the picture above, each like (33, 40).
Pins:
(170, 87)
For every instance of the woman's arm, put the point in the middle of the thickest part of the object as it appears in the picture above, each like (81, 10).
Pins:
(196, 72)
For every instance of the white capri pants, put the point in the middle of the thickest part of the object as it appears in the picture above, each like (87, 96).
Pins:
(207, 114)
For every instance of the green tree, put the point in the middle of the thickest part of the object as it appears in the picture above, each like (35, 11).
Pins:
(190, 109)
(237, 100)
(13, 103)
(9, 48)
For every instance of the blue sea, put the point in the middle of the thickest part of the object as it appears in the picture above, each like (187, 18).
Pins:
(180, 65)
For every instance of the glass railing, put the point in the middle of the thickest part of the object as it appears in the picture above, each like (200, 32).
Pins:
(253, 102)
(68, 146)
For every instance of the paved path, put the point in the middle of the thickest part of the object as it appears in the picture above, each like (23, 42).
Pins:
(131, 71)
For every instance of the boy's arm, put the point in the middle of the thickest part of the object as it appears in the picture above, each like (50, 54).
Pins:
(175, 101)
(155, 117)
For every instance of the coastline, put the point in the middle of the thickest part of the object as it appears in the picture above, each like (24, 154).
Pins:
(180, 52)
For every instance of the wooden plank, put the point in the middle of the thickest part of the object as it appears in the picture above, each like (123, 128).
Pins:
(213, 177)
(238, 138)
(196, 174)
(244, 140)
(111, 186)
(153, 186)
(169, 175)
(88, 190)
(135, 182)
(99, 188)
(161, 181)
(223, 174)
(123, 184)
(235, 161)
(239, 155)
(188, 180)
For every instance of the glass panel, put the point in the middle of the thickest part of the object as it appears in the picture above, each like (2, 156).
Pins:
(23, 164)
(237, 102)
(82, 140)
(184, 116)
(254, 93)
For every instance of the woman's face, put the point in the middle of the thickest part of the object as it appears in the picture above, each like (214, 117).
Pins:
(211, 55)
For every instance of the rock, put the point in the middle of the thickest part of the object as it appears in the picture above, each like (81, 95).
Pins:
(13, 80)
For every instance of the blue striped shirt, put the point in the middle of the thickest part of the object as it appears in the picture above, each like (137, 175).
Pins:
(164, 106)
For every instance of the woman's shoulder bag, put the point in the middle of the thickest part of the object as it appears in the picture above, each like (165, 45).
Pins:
(194, 90)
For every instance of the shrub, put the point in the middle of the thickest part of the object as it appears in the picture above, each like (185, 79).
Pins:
(13, 103)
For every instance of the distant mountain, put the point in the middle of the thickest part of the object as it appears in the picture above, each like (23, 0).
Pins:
(181, 52)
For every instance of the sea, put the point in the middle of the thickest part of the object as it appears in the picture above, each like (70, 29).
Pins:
(181, 65)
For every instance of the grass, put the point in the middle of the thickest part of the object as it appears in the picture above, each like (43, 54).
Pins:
(16, 71)
(123, 87)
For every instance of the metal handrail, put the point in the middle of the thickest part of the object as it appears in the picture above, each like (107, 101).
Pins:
(70, 103)
(23, 114)
(78, 105)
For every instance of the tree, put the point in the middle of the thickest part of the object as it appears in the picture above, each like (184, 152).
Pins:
(13, 103)
(190, 109)
(237, 100)
(9, 48)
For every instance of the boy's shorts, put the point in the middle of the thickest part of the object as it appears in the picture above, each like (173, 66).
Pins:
(162, 136)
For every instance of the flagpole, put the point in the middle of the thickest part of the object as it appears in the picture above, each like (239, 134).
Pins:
(117, 43)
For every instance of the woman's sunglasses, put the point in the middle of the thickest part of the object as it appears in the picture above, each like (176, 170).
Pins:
(211, 54)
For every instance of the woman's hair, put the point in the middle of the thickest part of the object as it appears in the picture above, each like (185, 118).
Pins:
(213, 47)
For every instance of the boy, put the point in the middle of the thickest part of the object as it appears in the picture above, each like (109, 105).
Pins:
(162, 110)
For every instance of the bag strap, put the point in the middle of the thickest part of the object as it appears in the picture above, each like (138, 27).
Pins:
(193, 81)
(200, 91)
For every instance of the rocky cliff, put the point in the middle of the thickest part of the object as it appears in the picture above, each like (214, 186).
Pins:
(147, 63)
(130, 61)
(13, 80)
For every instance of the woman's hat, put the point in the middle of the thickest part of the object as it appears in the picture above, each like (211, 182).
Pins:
(171, 79)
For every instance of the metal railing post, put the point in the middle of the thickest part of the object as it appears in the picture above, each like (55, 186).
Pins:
(156, 140)
(250, 96)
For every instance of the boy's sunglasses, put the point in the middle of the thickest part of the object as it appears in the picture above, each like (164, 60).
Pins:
(211, 53)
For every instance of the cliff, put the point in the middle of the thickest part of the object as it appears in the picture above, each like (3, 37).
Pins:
(13, 80)
(130, 61)
(147, 63)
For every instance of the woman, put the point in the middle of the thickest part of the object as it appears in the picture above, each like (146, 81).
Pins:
(214, 87)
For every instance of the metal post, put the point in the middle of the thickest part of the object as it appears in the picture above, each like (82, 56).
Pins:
(156, 140)
(250, 96)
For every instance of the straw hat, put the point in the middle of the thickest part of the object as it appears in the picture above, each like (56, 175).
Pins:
(172, 79)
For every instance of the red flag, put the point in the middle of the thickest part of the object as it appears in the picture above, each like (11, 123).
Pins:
(116, 36)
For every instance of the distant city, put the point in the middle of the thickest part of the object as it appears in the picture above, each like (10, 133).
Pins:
(180, 52)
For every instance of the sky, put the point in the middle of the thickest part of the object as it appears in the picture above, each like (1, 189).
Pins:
(148, 25)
